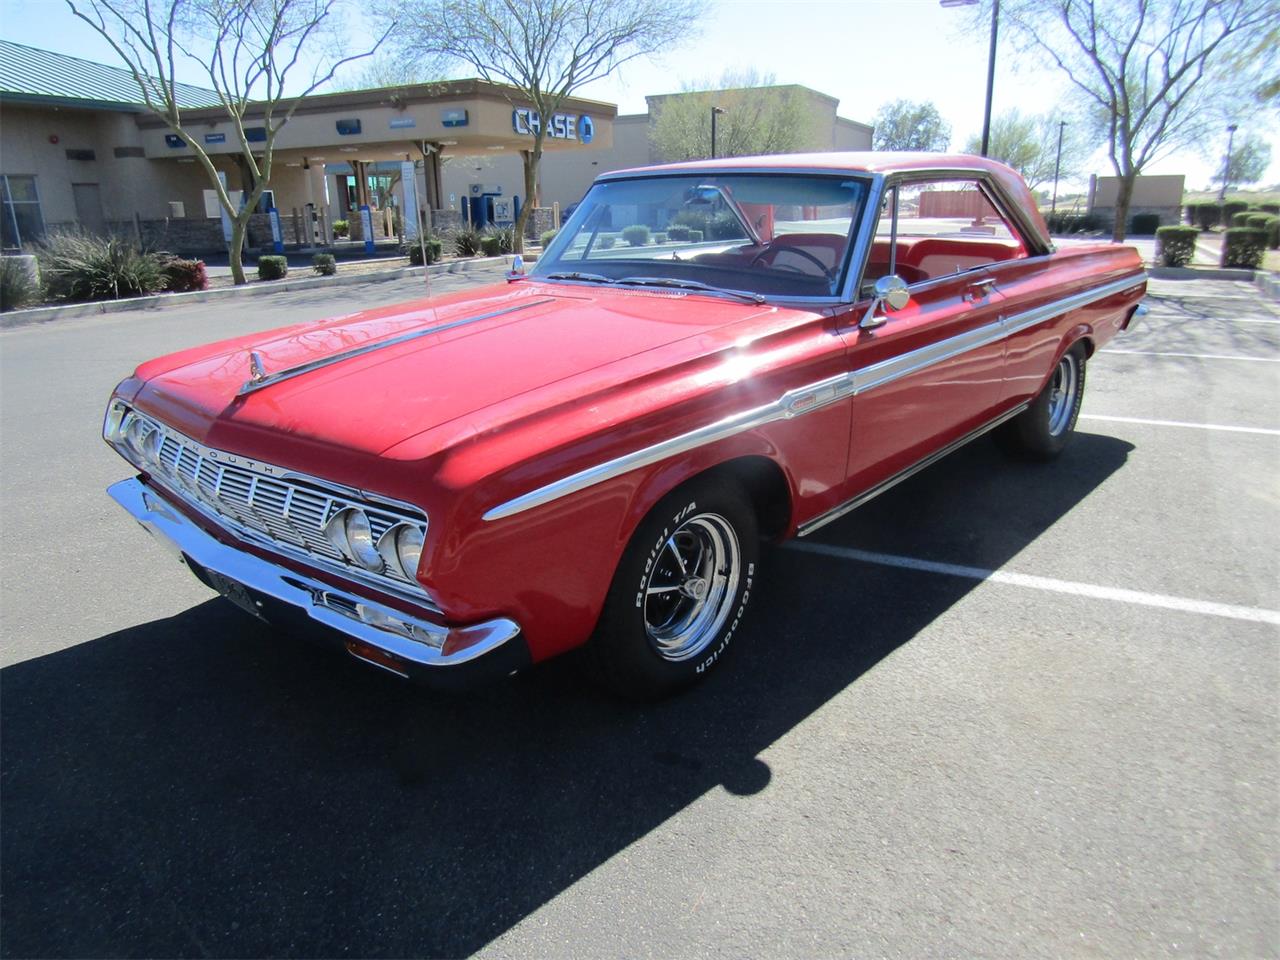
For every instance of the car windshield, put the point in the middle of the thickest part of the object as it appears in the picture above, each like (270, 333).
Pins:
(784, 235)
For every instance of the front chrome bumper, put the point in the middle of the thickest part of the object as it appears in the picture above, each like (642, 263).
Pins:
(429, 652)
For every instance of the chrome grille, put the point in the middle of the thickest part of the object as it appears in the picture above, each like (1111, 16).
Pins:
(269, 504)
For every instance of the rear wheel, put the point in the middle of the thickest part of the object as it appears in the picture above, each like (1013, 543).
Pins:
(680, 591)
(1042, 430)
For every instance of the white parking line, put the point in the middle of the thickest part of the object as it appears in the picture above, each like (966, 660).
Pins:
(1194, 356)
(1181, 423)
(1094, 591)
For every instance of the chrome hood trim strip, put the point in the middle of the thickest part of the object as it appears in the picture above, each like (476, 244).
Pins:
(257, 382)
(814, 396)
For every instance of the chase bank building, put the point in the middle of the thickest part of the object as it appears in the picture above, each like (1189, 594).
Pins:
(78, 150)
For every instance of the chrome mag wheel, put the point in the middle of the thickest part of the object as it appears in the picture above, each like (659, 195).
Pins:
(690, 589)
(1062, 393)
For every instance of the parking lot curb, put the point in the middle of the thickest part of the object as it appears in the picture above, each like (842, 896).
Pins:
(1268, 283)
(20, 318)
(1200, 273)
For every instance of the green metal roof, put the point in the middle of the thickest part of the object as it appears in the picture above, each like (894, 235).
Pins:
(31, 75)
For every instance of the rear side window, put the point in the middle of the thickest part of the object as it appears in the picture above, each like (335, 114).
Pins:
(939, 228)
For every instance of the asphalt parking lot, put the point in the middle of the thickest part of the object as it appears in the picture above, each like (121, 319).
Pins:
(1005, 709)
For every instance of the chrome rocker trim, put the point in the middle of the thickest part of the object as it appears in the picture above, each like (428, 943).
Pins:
(811, 397)
(322, 602)
(260, 379)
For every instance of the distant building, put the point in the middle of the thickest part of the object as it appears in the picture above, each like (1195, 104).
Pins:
(77, 149)
(1161, 195)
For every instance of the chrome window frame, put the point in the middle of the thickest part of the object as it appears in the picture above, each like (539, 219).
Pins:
(859, 237)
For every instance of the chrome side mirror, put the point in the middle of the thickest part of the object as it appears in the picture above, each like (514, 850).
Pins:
(517, 268)
(889, 292)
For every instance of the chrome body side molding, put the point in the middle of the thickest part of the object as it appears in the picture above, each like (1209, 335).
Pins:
(838, 511)
(259, 379)
(811, 397)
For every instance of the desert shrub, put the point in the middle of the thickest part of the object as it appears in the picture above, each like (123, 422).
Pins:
(413, 250)
(184, 276)
(695, 236)
(636, 235)
(1230, 209)
(81, 266)
(324, 264)
(505, 238)
(1207, 215)
(1242, 247)
(724, 226)
(466, 242)
(606, 241)
(18, 285)
(1177, 245)
(272, 268)
(547, 237)
(678, 232)
(490, 245)
(659, 238)
(341, 228)
(1144, 224)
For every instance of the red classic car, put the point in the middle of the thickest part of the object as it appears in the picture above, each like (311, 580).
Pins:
(705, 355)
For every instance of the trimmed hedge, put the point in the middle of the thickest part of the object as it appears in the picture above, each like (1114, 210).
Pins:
(1205, 215)
(636, 235)
(1242, 247)
(1063, 223)
(324, 264)
(695, 236)
(272, 268)
(1241, 218)
(547, 237)
(341, 228)
(1230, 209)
(184, 276)
(435, 249)
(678, 232)
(1177, 245)
(606, 241)
(491, 245)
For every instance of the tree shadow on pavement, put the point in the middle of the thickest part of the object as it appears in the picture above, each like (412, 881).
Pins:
(203, 786)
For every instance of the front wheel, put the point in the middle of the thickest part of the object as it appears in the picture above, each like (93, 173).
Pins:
(680, 591)
(1042, 430)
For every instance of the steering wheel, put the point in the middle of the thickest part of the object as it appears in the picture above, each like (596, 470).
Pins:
(772, 252)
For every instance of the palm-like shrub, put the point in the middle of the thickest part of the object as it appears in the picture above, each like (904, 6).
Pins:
(467, 241)
(18, 288)
(81, 266)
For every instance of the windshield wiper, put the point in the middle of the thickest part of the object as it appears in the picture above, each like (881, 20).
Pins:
(689, 285)
(575, 275)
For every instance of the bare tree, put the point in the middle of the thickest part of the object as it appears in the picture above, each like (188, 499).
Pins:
(758, 118)
(544, 50)
(1249, 162)
(247, 50)
(1153, 73)
(1029, 144)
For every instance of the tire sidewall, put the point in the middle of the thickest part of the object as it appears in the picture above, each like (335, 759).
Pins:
(624, 653)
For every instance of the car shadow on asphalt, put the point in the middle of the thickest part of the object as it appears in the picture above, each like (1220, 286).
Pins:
(202, 786)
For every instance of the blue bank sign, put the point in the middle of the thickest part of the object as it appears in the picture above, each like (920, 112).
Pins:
(561, 126)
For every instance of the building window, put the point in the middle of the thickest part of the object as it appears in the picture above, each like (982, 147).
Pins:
(22, 222)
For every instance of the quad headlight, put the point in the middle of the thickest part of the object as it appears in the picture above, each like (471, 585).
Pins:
(397, 551)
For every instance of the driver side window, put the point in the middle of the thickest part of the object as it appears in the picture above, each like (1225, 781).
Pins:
(939, 228)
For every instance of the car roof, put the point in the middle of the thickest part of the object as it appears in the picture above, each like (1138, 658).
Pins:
(874, 162)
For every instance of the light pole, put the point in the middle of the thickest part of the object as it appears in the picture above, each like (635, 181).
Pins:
(991, 62)
(1057, 166)
(715, 112)
(1226, 171)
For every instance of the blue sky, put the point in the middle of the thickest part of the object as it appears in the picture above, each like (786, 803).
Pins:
(864, 52)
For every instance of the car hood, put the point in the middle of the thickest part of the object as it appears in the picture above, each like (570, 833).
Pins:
(433, 362)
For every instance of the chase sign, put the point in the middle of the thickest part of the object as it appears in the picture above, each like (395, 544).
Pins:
(561, 126)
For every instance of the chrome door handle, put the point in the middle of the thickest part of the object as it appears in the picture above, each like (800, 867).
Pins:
(979, 289)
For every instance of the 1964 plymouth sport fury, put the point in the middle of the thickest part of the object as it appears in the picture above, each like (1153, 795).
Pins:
(707, 354)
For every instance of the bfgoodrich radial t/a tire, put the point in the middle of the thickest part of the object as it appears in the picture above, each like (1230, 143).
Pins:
(1042, 430)
(680, 592)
